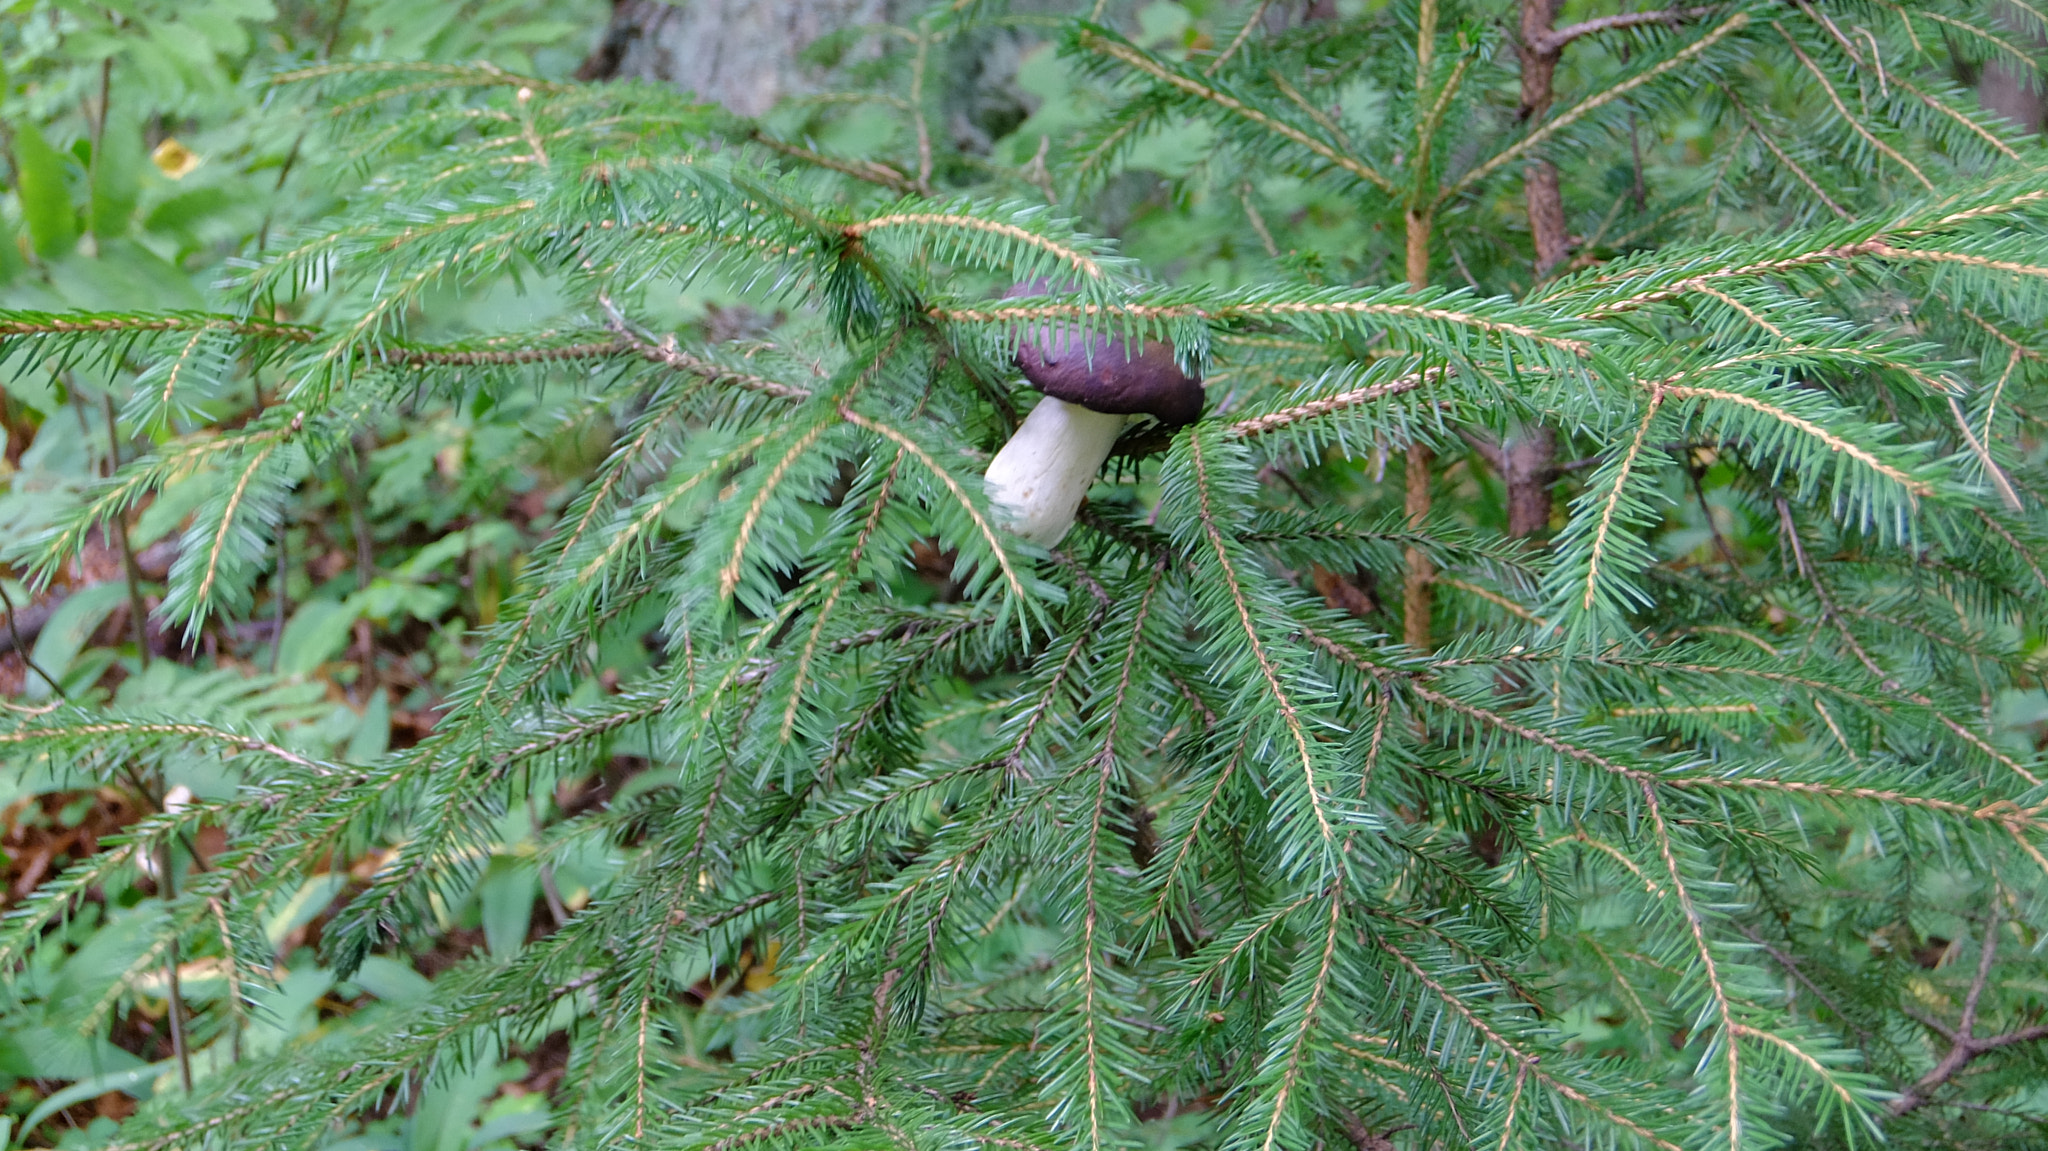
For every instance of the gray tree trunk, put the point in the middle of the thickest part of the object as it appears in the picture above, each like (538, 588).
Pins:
(744, 54)
(748, 54)
(2009, 93)
(2012, 96)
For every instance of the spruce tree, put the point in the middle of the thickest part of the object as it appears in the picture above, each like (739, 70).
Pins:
(1549, 699)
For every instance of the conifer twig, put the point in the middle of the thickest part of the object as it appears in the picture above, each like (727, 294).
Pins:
(1672, 17)
(1965, 1045)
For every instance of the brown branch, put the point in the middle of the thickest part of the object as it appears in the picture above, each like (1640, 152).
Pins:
(1783, 158)
(1363, 1137)
(21, 647)
(1591, 104)
(1415, 592)
(1139, 61)
(1240, 313)
(869, 170)
(1671, 17)
(1965, 1045)
(427, 357)
(300, 334)
(1527, 465)
(1761, 268)
(138, 612)
(1791, 967)
(1259, 425)
(53, 325)
(1831, 614)
(1487, 449)
(1244, 33)
(1547, 225)
(1699, 491)
(669, 353)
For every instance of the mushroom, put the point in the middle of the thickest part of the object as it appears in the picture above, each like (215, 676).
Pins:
(1093, 385)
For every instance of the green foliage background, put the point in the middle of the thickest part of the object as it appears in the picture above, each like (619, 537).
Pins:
(587, 699)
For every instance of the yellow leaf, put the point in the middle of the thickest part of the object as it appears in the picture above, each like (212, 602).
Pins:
(174, 159)
(761, 976)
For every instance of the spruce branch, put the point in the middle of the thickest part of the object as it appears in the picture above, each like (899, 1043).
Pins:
(1115, 48)
(1670, 17)
(1001, 846)
(1965, 1045)
(1591, 104)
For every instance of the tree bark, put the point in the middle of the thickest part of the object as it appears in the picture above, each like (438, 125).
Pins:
(2011, 96)
(1529, 468)
(749, 54)
(1528, 462)
(2015, 96)
(1417, 599)
(1539, 54)
(1546, 216)
(744, 54)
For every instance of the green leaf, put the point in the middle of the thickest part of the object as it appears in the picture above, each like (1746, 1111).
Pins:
(373, 730)
(125, 275)
(37, 1052)
(45, 195)
(318, 631)
(116, 178)
(129, 1082)
(70, 626)
(506, 897)
(392, 981)
(510, 1118)
(11, 263)
(308, 901)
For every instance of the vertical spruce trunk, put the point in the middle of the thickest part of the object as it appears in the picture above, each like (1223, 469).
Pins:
(1528, 461)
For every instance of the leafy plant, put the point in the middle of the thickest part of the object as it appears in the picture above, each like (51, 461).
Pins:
(1698, 825)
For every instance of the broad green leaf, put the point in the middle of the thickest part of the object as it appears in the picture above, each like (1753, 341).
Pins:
(129, 1082)
(11, 262)
(373, 730)
(392, 981)
(308, 901)
(68, 629)
(506, 897)
(116, 178)
(318, 631)
(45, 193)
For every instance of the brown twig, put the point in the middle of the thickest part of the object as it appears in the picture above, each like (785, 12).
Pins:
(279, 600)
(670, 353)
(1552, 41)
(136, 608)
(1488, 450)
(175, 1007)
(1965, 1044)
(1699, 491)
(869, 170)
(1791, 967)
(1419, 571)
(14, 634)
(1831, 614)
(427, 357)
(1363, 1137)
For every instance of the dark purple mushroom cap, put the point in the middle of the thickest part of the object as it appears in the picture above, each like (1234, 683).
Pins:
(1102, 374)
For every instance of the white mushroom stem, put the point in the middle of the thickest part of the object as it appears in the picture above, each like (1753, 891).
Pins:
(1036, 482)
